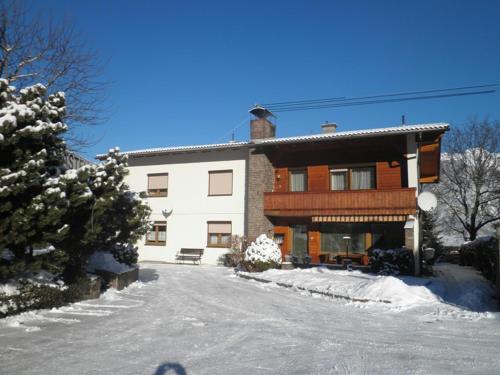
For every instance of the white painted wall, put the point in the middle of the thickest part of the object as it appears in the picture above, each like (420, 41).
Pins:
(413, 172)
(188, 197)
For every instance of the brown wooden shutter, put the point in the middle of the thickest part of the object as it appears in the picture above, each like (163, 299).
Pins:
(314, 237)
(318, 178)
(388, 175)
(281, 180)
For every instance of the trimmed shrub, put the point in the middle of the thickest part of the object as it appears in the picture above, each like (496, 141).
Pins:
(33, 297)
(483, 255)
(392, 261)
(262, 255)
(258, 266)
(236, 255)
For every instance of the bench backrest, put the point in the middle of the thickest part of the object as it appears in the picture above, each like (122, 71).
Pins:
(191, 251)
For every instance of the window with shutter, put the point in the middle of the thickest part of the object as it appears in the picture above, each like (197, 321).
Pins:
(219, 234)
(220, 182)
(158, 185)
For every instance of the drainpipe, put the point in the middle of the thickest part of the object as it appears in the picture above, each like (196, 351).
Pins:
(419, 214)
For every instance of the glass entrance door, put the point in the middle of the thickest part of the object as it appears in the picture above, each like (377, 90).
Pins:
(299, 242)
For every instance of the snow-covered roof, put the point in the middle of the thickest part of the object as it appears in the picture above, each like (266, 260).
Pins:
(168, 150)
(394, 130)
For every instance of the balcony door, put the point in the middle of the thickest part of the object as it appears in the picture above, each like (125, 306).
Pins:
(299, 242)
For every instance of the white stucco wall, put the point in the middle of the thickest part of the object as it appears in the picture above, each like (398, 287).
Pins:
(412, 157)
(189, 200)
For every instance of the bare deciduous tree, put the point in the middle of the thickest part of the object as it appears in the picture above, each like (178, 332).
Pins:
(469, 190)
(35, 49)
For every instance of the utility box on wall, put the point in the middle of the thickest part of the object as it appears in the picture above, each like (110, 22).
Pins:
(409, 234)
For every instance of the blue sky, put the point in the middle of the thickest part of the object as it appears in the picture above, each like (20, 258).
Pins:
(186, 72)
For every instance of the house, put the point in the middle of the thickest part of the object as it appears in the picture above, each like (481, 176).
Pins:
(197, 196)
(323, 197)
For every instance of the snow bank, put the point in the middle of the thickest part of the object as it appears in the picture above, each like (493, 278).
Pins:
(463, 286)
(458, 286)
(354, 285)
(105, 261)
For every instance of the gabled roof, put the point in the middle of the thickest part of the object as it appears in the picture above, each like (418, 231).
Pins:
(176, 149)
(395, 130)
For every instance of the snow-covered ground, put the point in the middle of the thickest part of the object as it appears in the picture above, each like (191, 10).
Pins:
(205, 320)
(454, 288)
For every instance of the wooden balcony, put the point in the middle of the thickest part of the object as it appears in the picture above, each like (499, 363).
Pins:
(347, 202)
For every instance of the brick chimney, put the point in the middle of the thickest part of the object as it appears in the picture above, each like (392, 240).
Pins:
(260, 126)
(329, 127)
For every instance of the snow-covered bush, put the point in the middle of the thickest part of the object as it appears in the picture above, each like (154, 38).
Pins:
(39, 292)
(236, 254)
(482, 254)
(392, 261)
(263, 254)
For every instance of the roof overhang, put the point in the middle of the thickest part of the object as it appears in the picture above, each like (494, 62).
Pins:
(354, 134)
(435, 128)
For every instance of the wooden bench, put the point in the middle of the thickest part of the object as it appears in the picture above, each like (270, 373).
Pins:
(185, 254)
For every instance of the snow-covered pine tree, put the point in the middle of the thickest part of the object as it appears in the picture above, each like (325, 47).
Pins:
(78, 211)
(74, 241)
(112, 219)
(431, 234)
(31, 148)
(121, 217)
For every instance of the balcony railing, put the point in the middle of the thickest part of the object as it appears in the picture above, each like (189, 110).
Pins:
(346, 202)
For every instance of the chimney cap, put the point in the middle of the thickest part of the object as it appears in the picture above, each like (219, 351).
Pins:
(260, 112)
(329, 127)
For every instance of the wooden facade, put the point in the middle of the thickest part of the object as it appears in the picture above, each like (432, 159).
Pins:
(400, 201)
(387, 205)
(430, 156)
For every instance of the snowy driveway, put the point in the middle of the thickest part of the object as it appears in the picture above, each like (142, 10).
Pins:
(204, 320)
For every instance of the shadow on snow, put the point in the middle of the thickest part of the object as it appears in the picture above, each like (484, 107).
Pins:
(170, 368)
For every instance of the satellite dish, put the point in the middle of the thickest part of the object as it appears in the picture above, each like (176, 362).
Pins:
(427, 201)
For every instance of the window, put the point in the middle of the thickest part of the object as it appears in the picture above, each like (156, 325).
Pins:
(158, 234)
(339, 179)
(353, 178)
(299, 241)
(298, 180)
(343, 238)
(219, 234)
(158, 184)
(220, 182)
(363, 178)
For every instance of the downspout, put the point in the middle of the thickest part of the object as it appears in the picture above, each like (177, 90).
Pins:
(419, 214)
